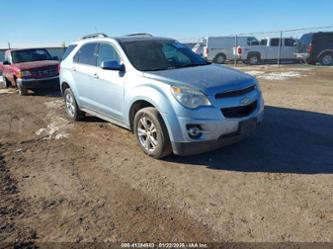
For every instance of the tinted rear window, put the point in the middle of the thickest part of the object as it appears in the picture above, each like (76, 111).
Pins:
(322, 38)
(68, 51)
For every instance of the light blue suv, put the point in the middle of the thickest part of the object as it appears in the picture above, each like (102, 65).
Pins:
(171, 98)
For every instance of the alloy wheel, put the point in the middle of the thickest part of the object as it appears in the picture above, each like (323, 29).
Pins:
(327, 59)
(70, 105)
(147, 134)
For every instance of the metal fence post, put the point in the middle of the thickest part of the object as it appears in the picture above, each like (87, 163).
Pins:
(280, 45)
(235, 51)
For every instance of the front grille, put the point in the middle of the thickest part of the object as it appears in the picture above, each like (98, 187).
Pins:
(235, 93)
(239, 111)
(45, 72)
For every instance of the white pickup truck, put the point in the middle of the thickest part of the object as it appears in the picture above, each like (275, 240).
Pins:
(219, 49)
(268, 50)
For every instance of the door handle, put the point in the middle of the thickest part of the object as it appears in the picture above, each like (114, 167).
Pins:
(73, 68)
(95, 75)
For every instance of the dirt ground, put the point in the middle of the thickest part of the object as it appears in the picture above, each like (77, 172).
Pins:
(89, 181)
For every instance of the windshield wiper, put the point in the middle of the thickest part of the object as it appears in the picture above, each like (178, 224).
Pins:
(160, 69)
(192, 65)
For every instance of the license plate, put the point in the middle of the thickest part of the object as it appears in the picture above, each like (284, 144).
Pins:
(248, 126)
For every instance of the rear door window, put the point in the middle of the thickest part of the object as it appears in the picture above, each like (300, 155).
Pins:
(288, 42)
(87, 54)
(263, 42)
(275, 42)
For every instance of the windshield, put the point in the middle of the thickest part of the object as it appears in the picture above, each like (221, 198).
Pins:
(30, 55)
(155, 55)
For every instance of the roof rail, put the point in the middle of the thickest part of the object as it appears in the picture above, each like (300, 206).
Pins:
(95, 35)
(140, 34)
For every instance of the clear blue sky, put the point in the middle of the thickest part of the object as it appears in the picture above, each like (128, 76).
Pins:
(33, 22)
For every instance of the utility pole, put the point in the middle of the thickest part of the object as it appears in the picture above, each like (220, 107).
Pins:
(235, 51)
(280, 45)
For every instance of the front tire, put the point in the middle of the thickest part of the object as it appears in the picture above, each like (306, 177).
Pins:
(72, 109)
(151, 133)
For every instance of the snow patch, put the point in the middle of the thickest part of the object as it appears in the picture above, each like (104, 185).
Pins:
(275, 75)
(55, 104)
(58, 126)
(53, 131)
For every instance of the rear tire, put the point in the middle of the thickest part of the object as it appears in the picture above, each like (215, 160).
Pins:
(220, 59)
(72, 109)
(326, 59)
(151, 133)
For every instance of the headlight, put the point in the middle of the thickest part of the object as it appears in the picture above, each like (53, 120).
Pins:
(189, 97)
(25, 73)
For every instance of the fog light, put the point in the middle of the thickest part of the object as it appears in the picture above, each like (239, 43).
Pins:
(194, 131)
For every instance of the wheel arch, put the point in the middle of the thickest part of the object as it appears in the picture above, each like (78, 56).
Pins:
(220, 54)
(135, 107)
(324, 52)
(147, 96)
(254, 53)
(66, 84)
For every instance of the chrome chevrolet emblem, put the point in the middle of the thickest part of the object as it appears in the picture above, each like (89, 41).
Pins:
(245, 101)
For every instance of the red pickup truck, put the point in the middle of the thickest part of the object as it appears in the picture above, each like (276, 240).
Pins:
(30, 69)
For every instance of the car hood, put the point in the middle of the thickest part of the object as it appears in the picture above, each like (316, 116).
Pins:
(35, 64)
(210, 79)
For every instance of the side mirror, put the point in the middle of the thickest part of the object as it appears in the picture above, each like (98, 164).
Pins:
(56, 58)
(112, 65)
(6, 62)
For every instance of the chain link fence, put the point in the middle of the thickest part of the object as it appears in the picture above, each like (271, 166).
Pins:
(271, 47)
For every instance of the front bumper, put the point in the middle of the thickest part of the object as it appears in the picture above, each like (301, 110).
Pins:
(215, 132)
(185, 149)
(50, 82)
